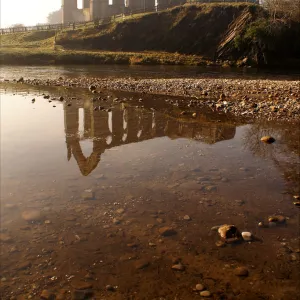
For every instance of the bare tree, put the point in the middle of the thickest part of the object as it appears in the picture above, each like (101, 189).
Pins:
(55, 17)
(283, 9)
(19, 25)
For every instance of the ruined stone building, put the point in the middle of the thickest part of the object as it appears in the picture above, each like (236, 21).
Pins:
(101, 9)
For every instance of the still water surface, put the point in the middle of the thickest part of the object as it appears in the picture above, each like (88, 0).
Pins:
(144, 167)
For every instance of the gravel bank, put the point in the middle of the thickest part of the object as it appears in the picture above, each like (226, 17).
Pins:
(267, 99)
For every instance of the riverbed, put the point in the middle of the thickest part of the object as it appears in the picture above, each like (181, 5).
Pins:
(117, 196)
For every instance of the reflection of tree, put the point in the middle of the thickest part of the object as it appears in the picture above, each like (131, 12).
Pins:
(284, 153)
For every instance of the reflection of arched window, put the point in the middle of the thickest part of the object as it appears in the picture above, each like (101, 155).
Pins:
(125, 125)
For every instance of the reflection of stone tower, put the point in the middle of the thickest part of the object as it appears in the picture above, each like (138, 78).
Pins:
(149, 4)
(85, 4)
(85, 164)
(118, 7)
(69, 9)
(125, 125)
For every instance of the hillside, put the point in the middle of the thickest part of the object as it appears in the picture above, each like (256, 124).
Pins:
(236, 32)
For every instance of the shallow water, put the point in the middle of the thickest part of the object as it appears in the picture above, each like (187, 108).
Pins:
(103, 71)
(147, 167)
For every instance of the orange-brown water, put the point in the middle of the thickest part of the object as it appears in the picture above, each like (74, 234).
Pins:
(146, 167)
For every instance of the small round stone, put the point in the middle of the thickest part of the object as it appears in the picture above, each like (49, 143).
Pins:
(199, 287)
(205, 294)
(187, 218)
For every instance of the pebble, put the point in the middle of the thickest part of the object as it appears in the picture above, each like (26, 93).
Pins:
(241, 271)
(32, 215)
(199, 287)
(167, 231)
(178, 267)
(88, 195)
(261, 224)
(5, 238)
(247, 236)
(277, 219)
(205, 294)
(141, 264)
(187, 218)
(110, 288)
(267, 139)
(229, 232)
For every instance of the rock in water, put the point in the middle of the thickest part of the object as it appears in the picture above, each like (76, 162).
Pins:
(205, 294)
(167, 231)
(32, 215)
(5, 238)
(92, 88)
(199, 287)
(229, 233)
(88, 195)
(277, 219)
(247, 236)
(178, 267)
(267, 139)
(241, 271)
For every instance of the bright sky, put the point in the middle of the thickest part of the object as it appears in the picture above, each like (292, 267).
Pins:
(27, 12)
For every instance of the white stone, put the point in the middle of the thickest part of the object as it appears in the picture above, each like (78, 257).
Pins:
(247, 236)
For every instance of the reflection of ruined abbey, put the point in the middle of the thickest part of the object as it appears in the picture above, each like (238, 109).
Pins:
(129, 125)
(100, 9)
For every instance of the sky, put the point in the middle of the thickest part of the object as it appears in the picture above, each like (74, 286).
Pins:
(26, 12)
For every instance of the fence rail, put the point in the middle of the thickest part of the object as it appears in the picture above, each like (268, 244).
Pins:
(127, 12)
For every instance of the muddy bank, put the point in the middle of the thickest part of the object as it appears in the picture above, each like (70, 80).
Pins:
(253, 99)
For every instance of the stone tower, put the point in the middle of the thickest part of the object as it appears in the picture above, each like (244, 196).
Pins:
(99, 9)
(69, 9)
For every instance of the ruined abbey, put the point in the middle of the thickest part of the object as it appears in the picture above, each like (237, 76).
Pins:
(101, 9)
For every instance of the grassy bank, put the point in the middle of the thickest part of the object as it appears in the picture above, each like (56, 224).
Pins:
(227, 33)
(47, 56)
